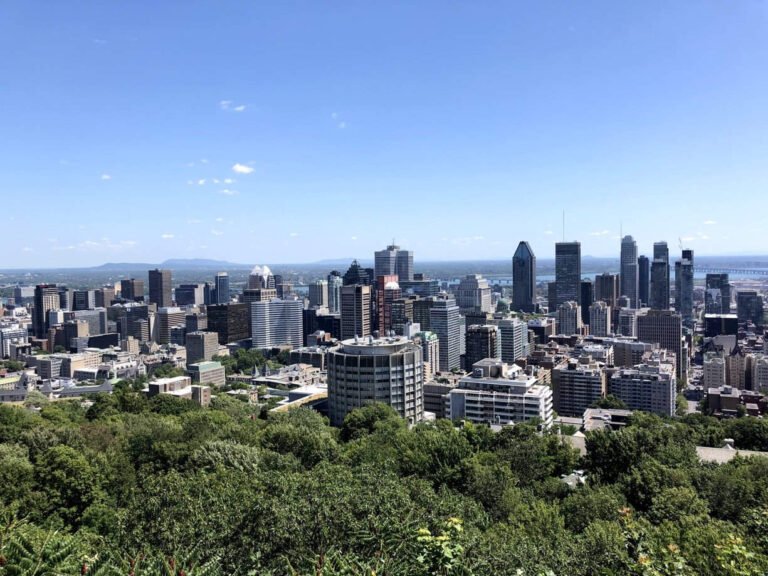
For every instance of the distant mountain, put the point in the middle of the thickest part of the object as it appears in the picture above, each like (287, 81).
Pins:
(178, 263)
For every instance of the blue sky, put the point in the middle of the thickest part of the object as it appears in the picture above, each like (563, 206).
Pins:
(298, 131)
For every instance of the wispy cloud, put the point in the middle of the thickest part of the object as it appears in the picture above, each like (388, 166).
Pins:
(600, 233)
(201, 182)
(293, 234)
(710, 222)
(239, 108)
(106, 177)
(227, 106)
(548, 232)
(242, 168)
(229, 180)
(340, 123)
(466, 240)
(228, 192)
(219, 219)
(216, 232)
(166, 236)
(353, 238)
(194, 221)
(27, 249)
(102, 245)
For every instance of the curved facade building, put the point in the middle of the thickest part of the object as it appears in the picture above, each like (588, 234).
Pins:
(367, 370)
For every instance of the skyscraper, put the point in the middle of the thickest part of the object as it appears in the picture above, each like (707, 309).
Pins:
(524, 279)
(684, 287)
(355, 311)
(318, 293)
(482, 342)
(569, 318)
(600, 319)
(567, 272)
(387, 291)
(356, 274)
(445, 321)
(394, 260)
(261, 277)
(514, 339)
(628, 277)
(607, 288)
(643, 280)
(659, 296)
(276, 322)
(665, 328)
(587, 292)
(749, 307)
(221, 288)
(721, 283)
(46, 298)
(335, 282)
(160, 288)
(132, 289)
(473, 294)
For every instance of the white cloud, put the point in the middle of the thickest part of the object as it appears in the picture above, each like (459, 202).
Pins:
(201, 182)
(239, 108)
(466, 240)
(203, 160)
(688, 238)
(228, 192)
(166, 236)
(219, 219)
(194, 221)
(190, 164)
(225, 104)
(342, 125)
(548, 232)
(216, 232)
(27, 249)
(709, 222)
(106, 177)
(334, 115)
(229, 180)
(600, 233)
(242, 168)
(293, 234)
(353, 238)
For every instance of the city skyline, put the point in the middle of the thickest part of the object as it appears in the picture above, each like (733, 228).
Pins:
(289, 120)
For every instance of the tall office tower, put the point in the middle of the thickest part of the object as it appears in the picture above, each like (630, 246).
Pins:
(587, 291)
(513, 334)
(661, 252)
(720, 283)
(684, 287)
(643, 281)
(659, 291)
(104, 296)
(83, 299)
(388, 290)
(24, 295)
(160, 288)
(445, 321)
(567, 272)
(196, 322)
(569, 318)
(258, 295)
(552, 296)
(318, 293)
(355, 311)
(628, 276)
(190, 294)
(386, 370)
(577, 385)
(473, 294)
(600, 319)
(481, 342)
(421, 312)
(749, 307)
(284, 289)
(335, 282)
(627, 322)
(132, 289)
(261, 277)
(524, 279)
(607, 288)
(168, 318)
(125, 317)
(665, 328)
(201, 346)
(209, 294)
(96, 318)
(277, 322)
(430, 353)
(229, 321)
(221, 293)
(402, 313)
(46, 298)
(356, 274)
(394, 261)
(65, 298)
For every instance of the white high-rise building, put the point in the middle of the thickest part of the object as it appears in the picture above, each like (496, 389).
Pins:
(760, 373)
(714, 371)
(276, 322)
(474, 294)
(514, 340)
(569, 318)
(651, 388)
(445, 321)
(600, 319)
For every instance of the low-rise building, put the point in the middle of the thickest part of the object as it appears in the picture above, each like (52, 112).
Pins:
(209, 373)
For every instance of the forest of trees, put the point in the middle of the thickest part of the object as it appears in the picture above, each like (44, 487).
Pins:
(134, 486)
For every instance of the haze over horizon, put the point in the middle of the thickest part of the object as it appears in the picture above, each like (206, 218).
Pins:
(292, 132)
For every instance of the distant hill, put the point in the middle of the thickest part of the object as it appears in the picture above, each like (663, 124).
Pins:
(178, 263)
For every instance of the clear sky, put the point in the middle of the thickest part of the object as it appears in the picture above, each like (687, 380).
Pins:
(297, 131)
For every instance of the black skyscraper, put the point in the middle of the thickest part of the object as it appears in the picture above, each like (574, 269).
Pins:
(524, 279)
(567, 272)
(643, 280)
(587, 297)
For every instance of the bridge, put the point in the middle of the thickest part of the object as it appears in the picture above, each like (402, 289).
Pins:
(739, 271)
